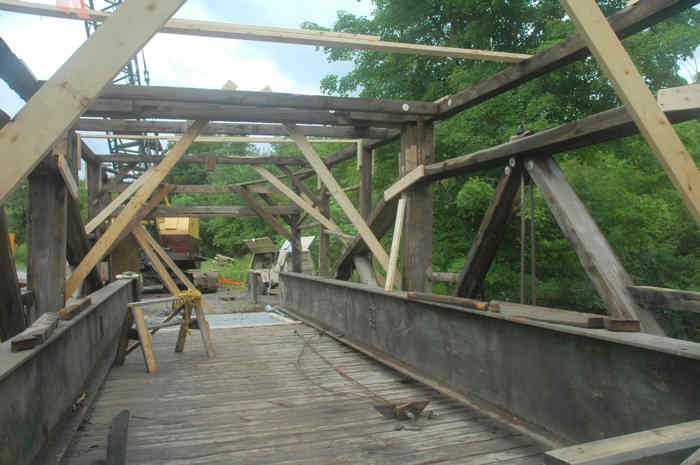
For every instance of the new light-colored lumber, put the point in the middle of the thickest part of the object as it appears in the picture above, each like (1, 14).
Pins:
(622, 449)
(123, 220)
(125, 195)
(171, 263)
(64, 97)
(405, 182)
(638, 99)
(301, 203)
(155, 261)
(145, 338)
(395, 245)
(679, 98)
(69, 180)
(336, 191)
(290, 36)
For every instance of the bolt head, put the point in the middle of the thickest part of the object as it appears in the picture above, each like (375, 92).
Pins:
(405, 107)
(512, 162)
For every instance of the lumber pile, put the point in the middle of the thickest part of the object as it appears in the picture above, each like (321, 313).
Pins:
(222, 260)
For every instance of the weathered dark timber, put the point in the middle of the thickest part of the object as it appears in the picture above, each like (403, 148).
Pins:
(597, 257)
(101, 107)
(47, 234)
(263, 213)
(228, 129)
(417, 148)
(203, 158)
(36, 334)
(275, 100)
(77, 243)
(601, 127)
(12, 319)
(650, 297)
(324, 259)
(547, 314)
(16, 74)
(490, 235)
(117, 439)
(219, 211)
(365, 200)
(625, 22)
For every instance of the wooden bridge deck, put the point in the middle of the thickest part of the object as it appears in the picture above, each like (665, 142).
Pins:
(254, 404)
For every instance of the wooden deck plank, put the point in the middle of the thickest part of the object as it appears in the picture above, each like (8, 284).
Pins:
(253, 404)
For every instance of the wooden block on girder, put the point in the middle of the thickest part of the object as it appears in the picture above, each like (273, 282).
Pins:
(36, 334)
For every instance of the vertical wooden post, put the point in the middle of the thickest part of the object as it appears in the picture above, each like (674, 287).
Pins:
(11, 307)
(365, 158)
(94, 188)
(182, 335)
(417, 148)
(253, 286)
(204, 329)
(395, 244)
(47, 240)
(145, 337)
(324, 260)
(296, 247)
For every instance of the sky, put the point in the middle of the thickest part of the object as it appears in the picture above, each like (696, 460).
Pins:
(175, 60)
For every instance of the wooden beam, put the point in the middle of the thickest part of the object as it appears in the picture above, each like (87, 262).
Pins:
(281, 35)
(364, 160)
(236, 113)
(625, 22)
(694, 459)
(12, 320)
(608, 125)
(638, 99)
(203, 158)
(158, 266)
(64, 97)
(381, 221)
(268, 100)
(679, 98)
(64, 169)
(265, 215)
(302, 188)
(597, 257)
(324, 260)
(622, 449)
(417, 148)
(491, 232)
(128, 214)
(47, 225)
(395, 245)
(301, 203)
(217, 211)
(405, 182)
(341, 198)
(229, 129)
(674, 299)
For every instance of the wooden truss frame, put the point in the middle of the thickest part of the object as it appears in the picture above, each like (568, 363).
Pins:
(75, 104)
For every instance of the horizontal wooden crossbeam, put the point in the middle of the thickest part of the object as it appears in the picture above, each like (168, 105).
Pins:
(229, 129)
(219, 211)
(281, 35)
(202, 158)
(163, 109)
(267, 99)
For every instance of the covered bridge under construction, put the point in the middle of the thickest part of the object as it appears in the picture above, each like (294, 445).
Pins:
(346, 379)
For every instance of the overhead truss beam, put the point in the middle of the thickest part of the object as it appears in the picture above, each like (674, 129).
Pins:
(289, 36)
